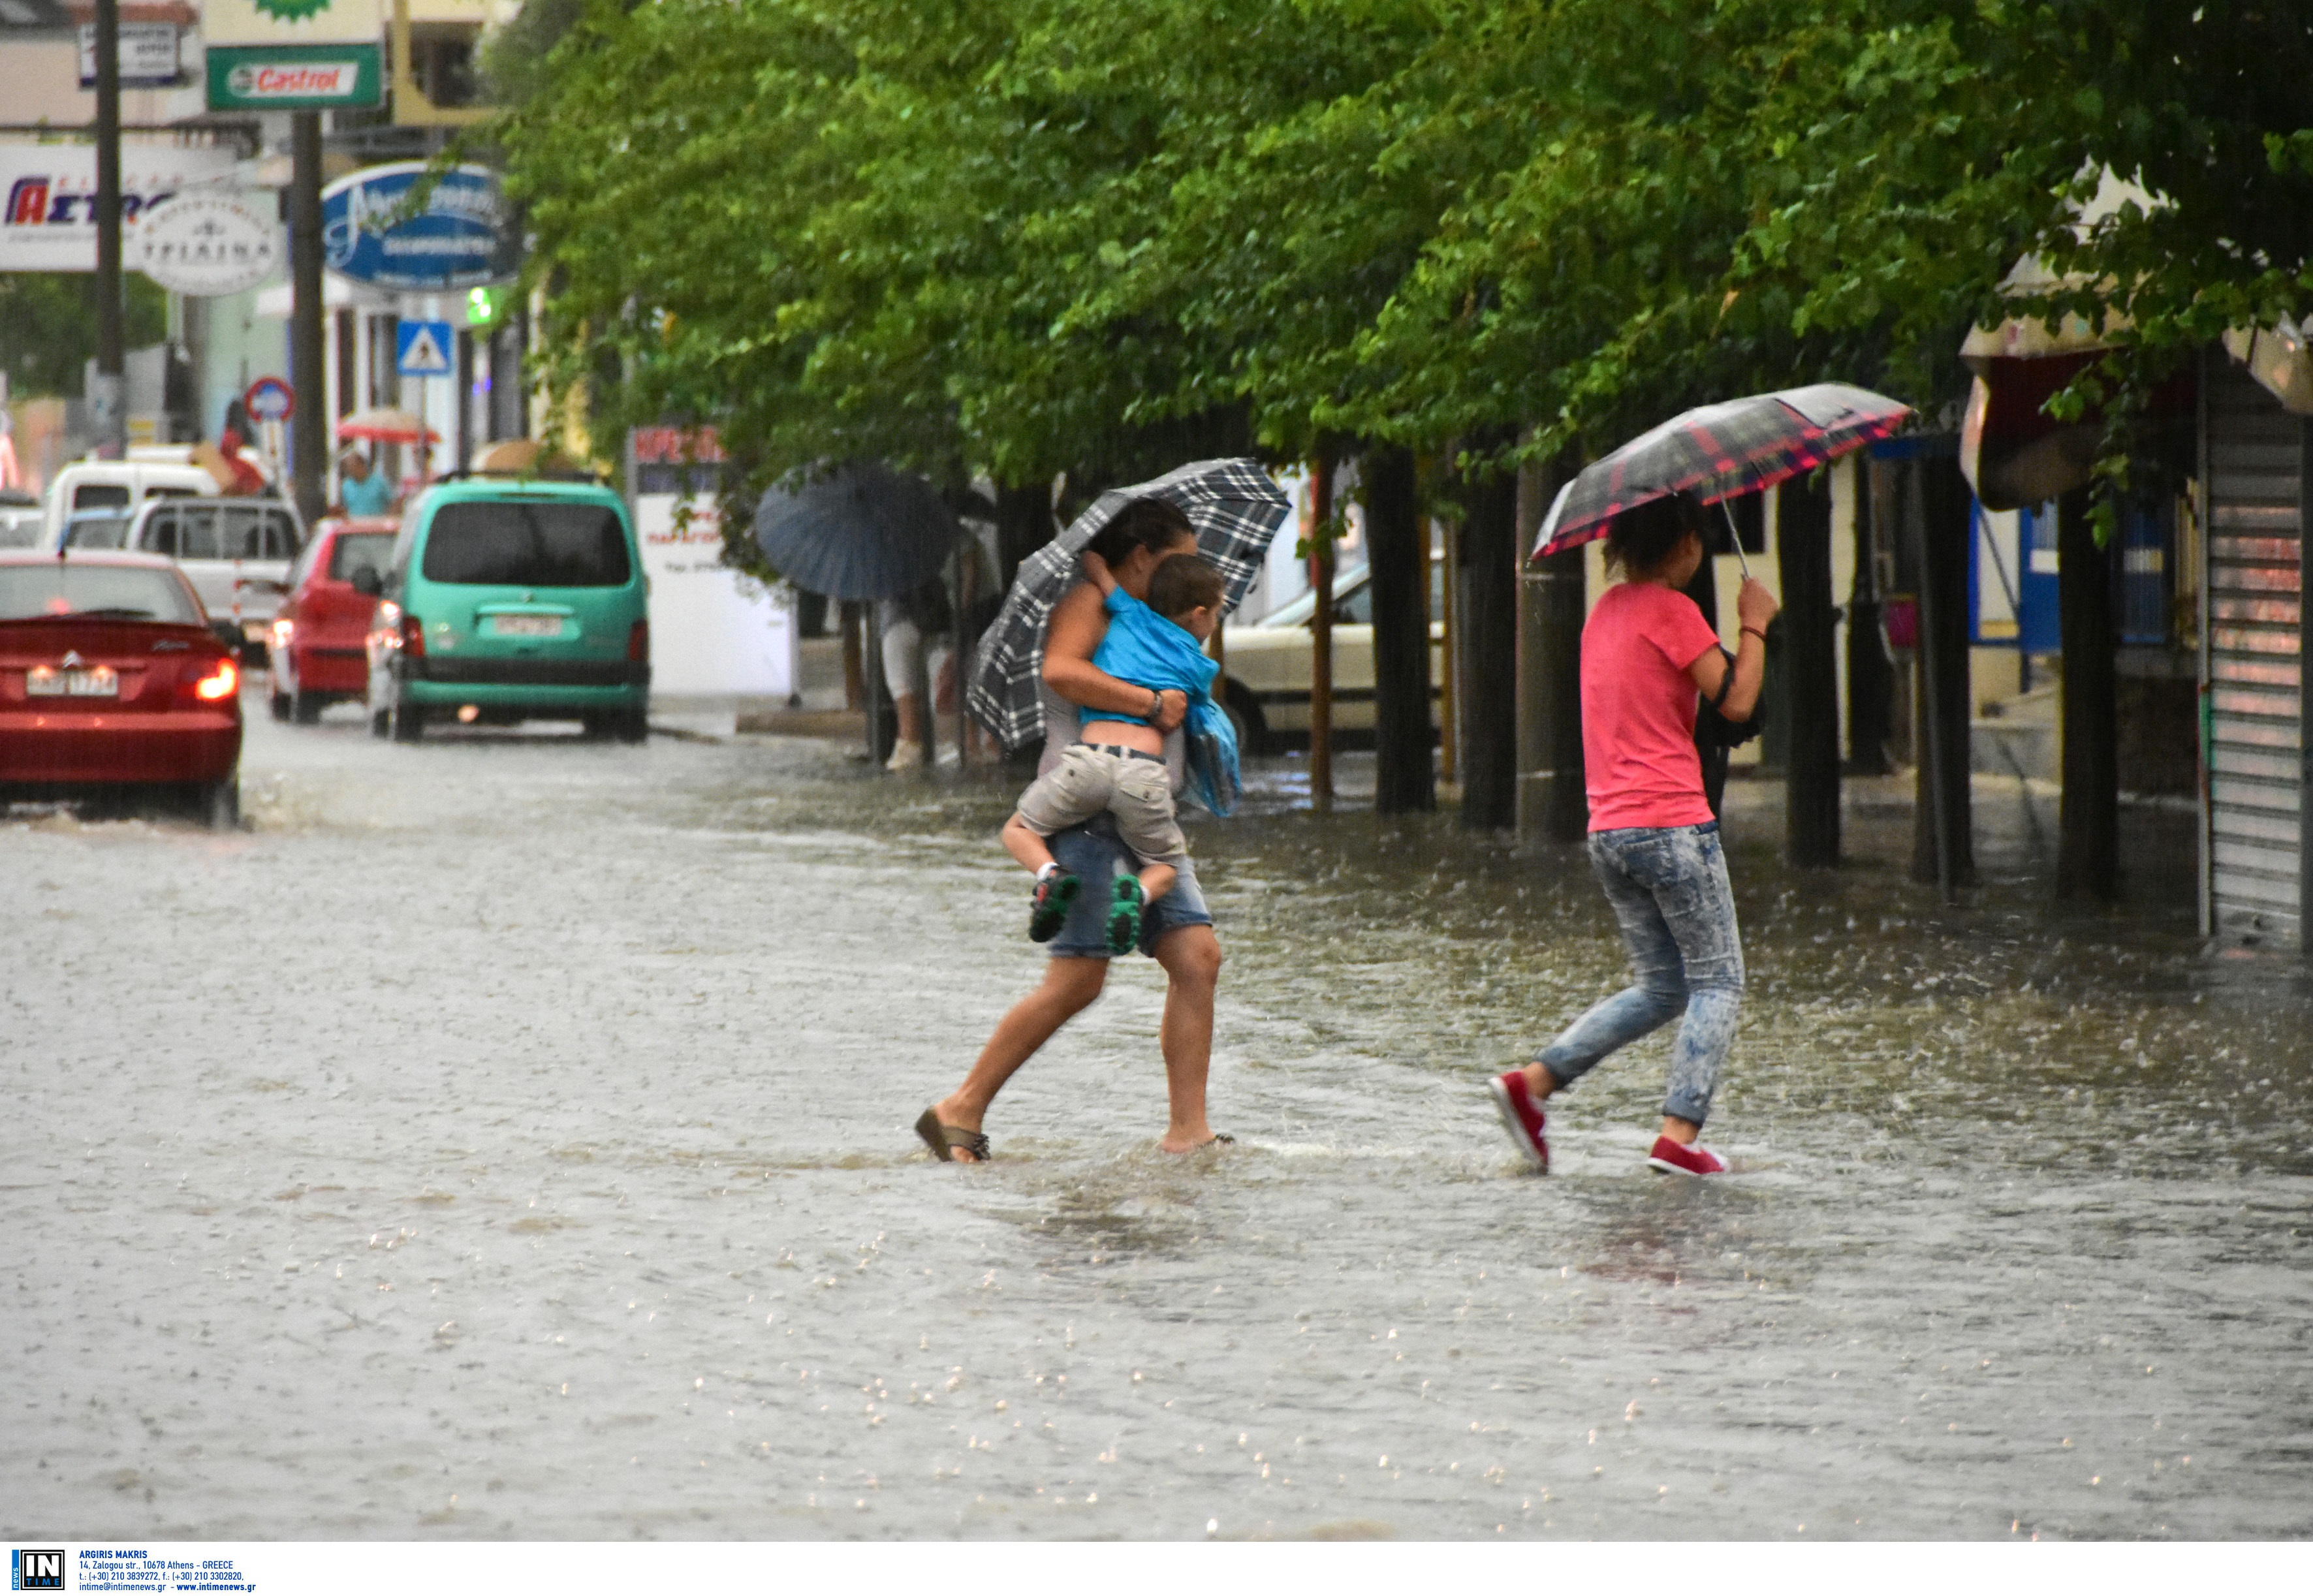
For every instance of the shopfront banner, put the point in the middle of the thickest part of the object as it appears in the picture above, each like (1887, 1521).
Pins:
(47, 197)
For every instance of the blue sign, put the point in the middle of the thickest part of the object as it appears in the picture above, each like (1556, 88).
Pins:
(406, 227)
(422, 349)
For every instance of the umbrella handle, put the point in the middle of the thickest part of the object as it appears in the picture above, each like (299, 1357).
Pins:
(1735, 535)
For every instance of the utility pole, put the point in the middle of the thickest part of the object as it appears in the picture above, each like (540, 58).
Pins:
(107, 395)
(309, 447)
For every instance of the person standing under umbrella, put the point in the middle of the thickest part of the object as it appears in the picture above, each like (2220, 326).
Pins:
(1646, 652)
(1177, 930)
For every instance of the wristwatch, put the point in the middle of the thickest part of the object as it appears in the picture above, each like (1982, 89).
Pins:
(1156, 704)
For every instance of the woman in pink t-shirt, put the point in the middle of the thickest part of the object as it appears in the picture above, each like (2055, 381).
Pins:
(1646, 652)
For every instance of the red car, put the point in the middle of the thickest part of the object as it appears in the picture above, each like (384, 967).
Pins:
(112, 681)
(318, 652)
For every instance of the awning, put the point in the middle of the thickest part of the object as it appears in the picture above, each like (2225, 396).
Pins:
(2281, 359)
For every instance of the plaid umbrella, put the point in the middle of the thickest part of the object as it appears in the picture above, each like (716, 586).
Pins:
(1235, 509)
(1719, 452)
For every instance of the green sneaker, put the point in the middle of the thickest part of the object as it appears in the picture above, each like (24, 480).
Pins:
(1055, 894)
(1124, 905)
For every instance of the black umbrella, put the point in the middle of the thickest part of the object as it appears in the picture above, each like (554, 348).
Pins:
(861, 531)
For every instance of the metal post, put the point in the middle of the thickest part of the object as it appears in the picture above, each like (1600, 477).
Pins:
(1449, 729)
(872, 619)
(107, 394)
(309, 436)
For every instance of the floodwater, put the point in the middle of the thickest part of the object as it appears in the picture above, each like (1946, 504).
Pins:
(507, 1136)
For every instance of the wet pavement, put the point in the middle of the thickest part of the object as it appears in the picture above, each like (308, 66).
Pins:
(508, 1137)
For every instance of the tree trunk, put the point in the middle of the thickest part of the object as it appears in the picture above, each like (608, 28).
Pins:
(1811, 673)
(1552, 805)
(2087, 846)
(1023, 524)
(1871, 674)
(1486, 618)
(1942, 846)
(1400, 564)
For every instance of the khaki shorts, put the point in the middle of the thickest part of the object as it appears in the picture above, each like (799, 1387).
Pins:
(1090, 779)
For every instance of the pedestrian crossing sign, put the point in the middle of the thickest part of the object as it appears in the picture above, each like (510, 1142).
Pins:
(423, 350)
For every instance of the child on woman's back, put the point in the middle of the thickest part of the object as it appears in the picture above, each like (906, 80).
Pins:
(1119, 766)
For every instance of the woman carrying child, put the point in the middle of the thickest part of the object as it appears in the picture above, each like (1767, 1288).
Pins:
(1176, 928)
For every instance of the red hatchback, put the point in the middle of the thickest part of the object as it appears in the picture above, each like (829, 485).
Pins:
(319, 656)
(112, 681)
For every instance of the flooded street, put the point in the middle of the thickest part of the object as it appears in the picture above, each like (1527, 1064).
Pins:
(508, 1137)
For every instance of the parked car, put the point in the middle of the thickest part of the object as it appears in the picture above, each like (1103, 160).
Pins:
(237, 553)
(1271, 661)
(122, 484)
(21, 520)
(514, 600)
(318, 650)
(111, 683)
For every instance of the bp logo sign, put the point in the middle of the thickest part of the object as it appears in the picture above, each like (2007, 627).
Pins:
(292, 11)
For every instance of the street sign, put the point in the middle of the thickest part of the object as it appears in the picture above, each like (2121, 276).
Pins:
(270, 399)
(422, 349)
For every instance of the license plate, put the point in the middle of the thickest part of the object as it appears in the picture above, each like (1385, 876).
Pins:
(527, 625)
(98, 681)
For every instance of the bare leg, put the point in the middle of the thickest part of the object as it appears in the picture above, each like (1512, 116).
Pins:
(1191, 958)
(1156, 881)
(1068, 987)
(1024, 845)
(911, 717)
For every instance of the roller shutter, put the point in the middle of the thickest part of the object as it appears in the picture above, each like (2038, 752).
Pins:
(2254, 475)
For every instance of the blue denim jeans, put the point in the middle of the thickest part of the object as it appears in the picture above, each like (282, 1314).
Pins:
(1669, 892)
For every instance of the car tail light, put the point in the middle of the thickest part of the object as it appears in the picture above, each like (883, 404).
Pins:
(413, 637)
(638, 643)
(222, 681)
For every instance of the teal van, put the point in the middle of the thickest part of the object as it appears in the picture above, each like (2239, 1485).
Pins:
(509, 598)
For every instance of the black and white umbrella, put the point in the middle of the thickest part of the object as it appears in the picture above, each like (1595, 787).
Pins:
(1235, 509)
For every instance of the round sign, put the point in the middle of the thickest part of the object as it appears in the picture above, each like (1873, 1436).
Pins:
(206, 245)
(270, 399)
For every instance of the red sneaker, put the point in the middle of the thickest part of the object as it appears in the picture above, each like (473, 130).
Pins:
(1675, 1158)
(1522, 1117)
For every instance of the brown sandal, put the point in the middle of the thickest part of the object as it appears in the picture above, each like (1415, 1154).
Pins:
(944, 1138)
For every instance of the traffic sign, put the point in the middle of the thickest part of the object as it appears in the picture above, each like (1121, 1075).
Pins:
(270, 399)
(423, 350)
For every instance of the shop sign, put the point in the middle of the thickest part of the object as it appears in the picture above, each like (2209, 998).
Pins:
(294, 78)
(48, 196)
(411, 228)
(148, 54)
(206, 245)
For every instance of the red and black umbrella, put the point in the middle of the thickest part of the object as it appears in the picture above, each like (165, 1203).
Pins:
(1718, 452)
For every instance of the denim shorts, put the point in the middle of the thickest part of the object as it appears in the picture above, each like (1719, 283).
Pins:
(1095, 855)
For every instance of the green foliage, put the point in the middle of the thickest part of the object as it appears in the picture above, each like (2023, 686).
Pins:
(1029, 236)
(48, 328)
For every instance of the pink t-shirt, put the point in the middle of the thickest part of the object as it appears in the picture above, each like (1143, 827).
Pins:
(1638, 763)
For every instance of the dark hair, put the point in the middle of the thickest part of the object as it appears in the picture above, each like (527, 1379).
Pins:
(1152, 524)
(1183, 583)
(1644, 535)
